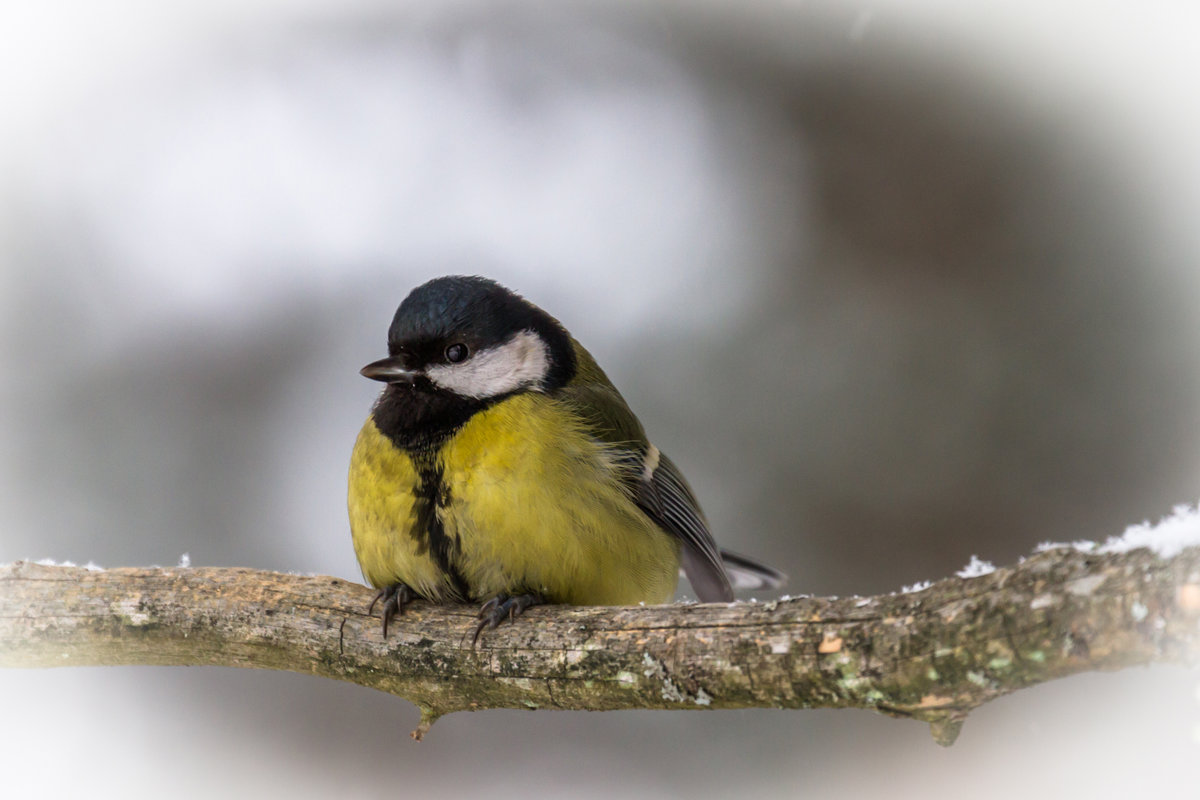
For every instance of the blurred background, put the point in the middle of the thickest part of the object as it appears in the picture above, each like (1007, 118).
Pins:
(894, 282)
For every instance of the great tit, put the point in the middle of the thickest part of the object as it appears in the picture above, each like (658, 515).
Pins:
(500, 465)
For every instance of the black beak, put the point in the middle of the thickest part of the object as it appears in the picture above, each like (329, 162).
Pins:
(389, 370)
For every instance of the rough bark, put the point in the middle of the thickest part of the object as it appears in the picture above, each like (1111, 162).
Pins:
(933, 655)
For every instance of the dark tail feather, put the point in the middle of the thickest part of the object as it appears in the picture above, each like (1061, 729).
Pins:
(746, 573)
(710, 583)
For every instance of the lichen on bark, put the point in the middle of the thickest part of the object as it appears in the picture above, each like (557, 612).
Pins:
(932, 655)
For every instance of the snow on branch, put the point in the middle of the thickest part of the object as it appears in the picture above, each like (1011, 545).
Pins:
(933, 653)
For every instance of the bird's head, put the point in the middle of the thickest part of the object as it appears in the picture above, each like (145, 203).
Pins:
(471, 337)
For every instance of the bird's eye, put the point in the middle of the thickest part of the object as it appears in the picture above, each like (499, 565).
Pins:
(456, 353)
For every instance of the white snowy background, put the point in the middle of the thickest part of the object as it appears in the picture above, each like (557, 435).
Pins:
(896, 283)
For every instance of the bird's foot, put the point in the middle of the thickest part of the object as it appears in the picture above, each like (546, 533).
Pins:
(502, 607)
(395, 598)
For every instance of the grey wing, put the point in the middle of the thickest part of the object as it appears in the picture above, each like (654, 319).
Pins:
(660, 490)
(663, 493)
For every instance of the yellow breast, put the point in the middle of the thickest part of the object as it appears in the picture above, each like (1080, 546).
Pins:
(529, 503)
(382, 505)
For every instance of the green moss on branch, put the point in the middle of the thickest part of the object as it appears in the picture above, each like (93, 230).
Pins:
(932, 655)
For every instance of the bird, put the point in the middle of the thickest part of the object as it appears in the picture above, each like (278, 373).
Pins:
(500, 465)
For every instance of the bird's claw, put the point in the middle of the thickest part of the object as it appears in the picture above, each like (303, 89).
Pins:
(500, 607)
(395, 598)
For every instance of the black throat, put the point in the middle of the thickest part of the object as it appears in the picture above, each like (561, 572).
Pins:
(419, 419)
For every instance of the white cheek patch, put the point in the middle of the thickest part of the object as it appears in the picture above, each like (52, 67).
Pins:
(520, 362)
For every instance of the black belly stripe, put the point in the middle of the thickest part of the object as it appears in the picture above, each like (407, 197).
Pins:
(432, 495)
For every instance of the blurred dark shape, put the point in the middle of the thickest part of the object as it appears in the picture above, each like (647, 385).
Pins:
(983, 347)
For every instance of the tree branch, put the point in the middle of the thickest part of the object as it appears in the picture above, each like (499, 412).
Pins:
(933, 655)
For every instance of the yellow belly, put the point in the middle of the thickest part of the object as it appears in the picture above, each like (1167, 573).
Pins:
(530, 504)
